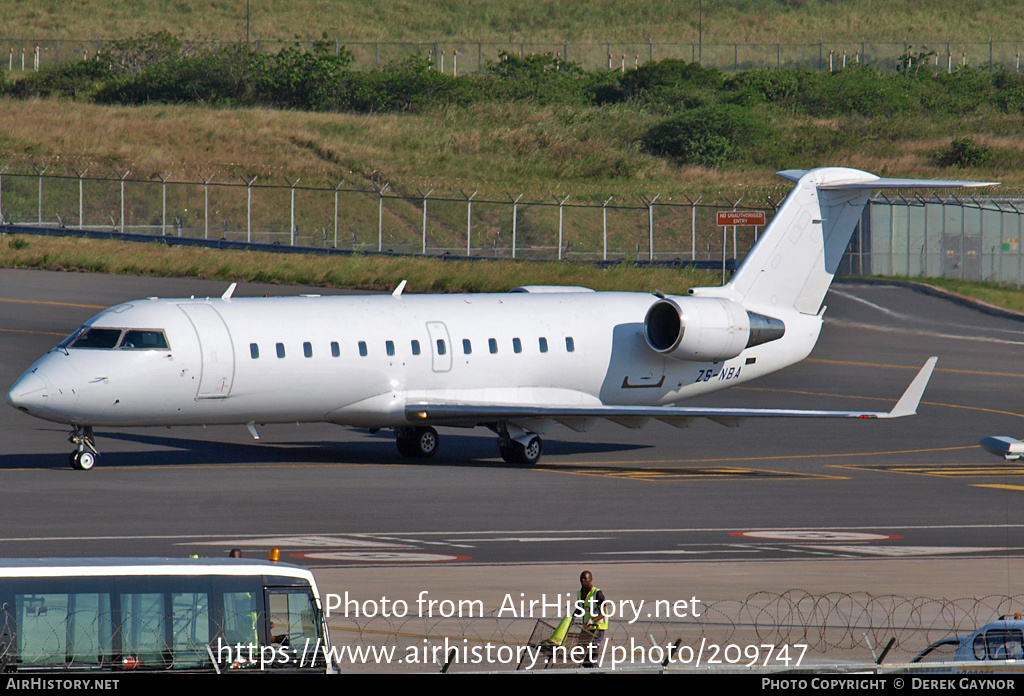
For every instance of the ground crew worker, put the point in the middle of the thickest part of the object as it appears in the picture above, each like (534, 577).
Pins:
(589, 603)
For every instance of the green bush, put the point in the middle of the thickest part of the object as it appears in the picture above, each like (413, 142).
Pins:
(72, 80)
(707, 136)
(410, 85)
(963, 152)
(544, 79)
(774, 86)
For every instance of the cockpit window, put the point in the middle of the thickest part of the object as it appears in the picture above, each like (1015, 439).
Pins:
(147, 339)
(125, 339)
(97, 338)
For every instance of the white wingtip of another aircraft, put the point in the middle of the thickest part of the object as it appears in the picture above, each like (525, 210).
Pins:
(907, 405)
(1009, 448)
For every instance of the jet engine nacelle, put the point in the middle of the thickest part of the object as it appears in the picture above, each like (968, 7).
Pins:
(706, 328)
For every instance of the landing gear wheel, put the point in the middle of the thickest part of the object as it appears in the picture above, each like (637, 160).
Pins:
(515, 452)
(83, 461)
(83, 458)
(418, 442)
(508, 452)
(530, 453)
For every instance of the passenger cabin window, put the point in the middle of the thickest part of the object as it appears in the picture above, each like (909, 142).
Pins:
(254, 350)
(492, 345)
(97, 338)
(362, 348)
(280, 350)
(307, 349)
(467, 347)
(415, 347)
(543, 345)
(335, 349)
(389, 346)
(570, 345)
(441, 347)
(143, 339)
(517, 345)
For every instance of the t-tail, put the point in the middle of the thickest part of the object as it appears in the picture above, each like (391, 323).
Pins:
(792, 264)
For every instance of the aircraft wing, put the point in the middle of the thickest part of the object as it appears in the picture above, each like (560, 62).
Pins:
(577, 417)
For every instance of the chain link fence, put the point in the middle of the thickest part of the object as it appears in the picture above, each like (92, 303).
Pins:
(974, 238)
(462, 57)
(379, 219)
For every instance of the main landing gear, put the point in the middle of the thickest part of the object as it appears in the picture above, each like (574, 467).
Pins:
(518, 446)
(83, 458)
(421, 442)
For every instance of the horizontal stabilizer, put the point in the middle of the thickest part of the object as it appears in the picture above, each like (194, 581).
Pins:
(885, 183)
(632, 416)
(903, 183)
(1009, 448)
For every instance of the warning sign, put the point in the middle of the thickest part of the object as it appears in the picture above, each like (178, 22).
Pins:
(744, 218)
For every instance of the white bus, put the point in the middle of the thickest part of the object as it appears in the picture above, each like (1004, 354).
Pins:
(142, 614)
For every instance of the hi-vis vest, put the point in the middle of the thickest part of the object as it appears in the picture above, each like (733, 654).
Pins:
(587, 608)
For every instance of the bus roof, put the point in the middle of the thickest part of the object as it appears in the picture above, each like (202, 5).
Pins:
(58, 567)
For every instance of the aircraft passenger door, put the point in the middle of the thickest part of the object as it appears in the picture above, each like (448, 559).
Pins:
(440, 346)
(218, 355)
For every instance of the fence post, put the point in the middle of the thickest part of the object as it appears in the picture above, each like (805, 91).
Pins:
(291, 231)
(40, 172)
(560, 204)
(469, 222)
(693, 228)
(1002, 242)
(122, 177)
(2, 219)
(650, 223)
(515, 215)
(425, 196)
(206, 204)
(248, 207)
(735, 256)
(1020, 247)
(381, 190)
(81, 213)
(336, 188)
(163, 193)
(924, 246)
(604, 212)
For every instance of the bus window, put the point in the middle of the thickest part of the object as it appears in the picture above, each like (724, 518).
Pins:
(293, 618)
(59, 629)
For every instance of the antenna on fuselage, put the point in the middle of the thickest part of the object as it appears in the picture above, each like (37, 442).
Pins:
(229, 292)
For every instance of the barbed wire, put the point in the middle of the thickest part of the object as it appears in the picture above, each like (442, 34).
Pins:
(851, 623)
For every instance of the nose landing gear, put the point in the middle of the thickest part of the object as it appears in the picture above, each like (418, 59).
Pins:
(83, 458)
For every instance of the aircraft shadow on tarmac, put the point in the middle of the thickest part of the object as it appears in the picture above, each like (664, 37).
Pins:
(459, 450)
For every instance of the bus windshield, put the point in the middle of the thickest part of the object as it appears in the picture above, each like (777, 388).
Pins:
(195, 618)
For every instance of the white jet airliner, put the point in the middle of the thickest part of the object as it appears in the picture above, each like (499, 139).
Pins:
(514, 362)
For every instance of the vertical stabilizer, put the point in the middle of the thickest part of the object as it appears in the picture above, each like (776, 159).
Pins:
(794, 261)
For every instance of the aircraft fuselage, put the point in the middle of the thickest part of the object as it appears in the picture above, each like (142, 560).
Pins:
(360, 360)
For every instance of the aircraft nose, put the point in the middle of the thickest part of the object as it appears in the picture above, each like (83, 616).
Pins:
(29, 393)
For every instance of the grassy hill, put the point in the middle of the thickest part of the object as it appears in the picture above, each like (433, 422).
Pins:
(766, 21)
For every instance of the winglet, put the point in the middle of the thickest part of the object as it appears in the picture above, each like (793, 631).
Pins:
(907, 405)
